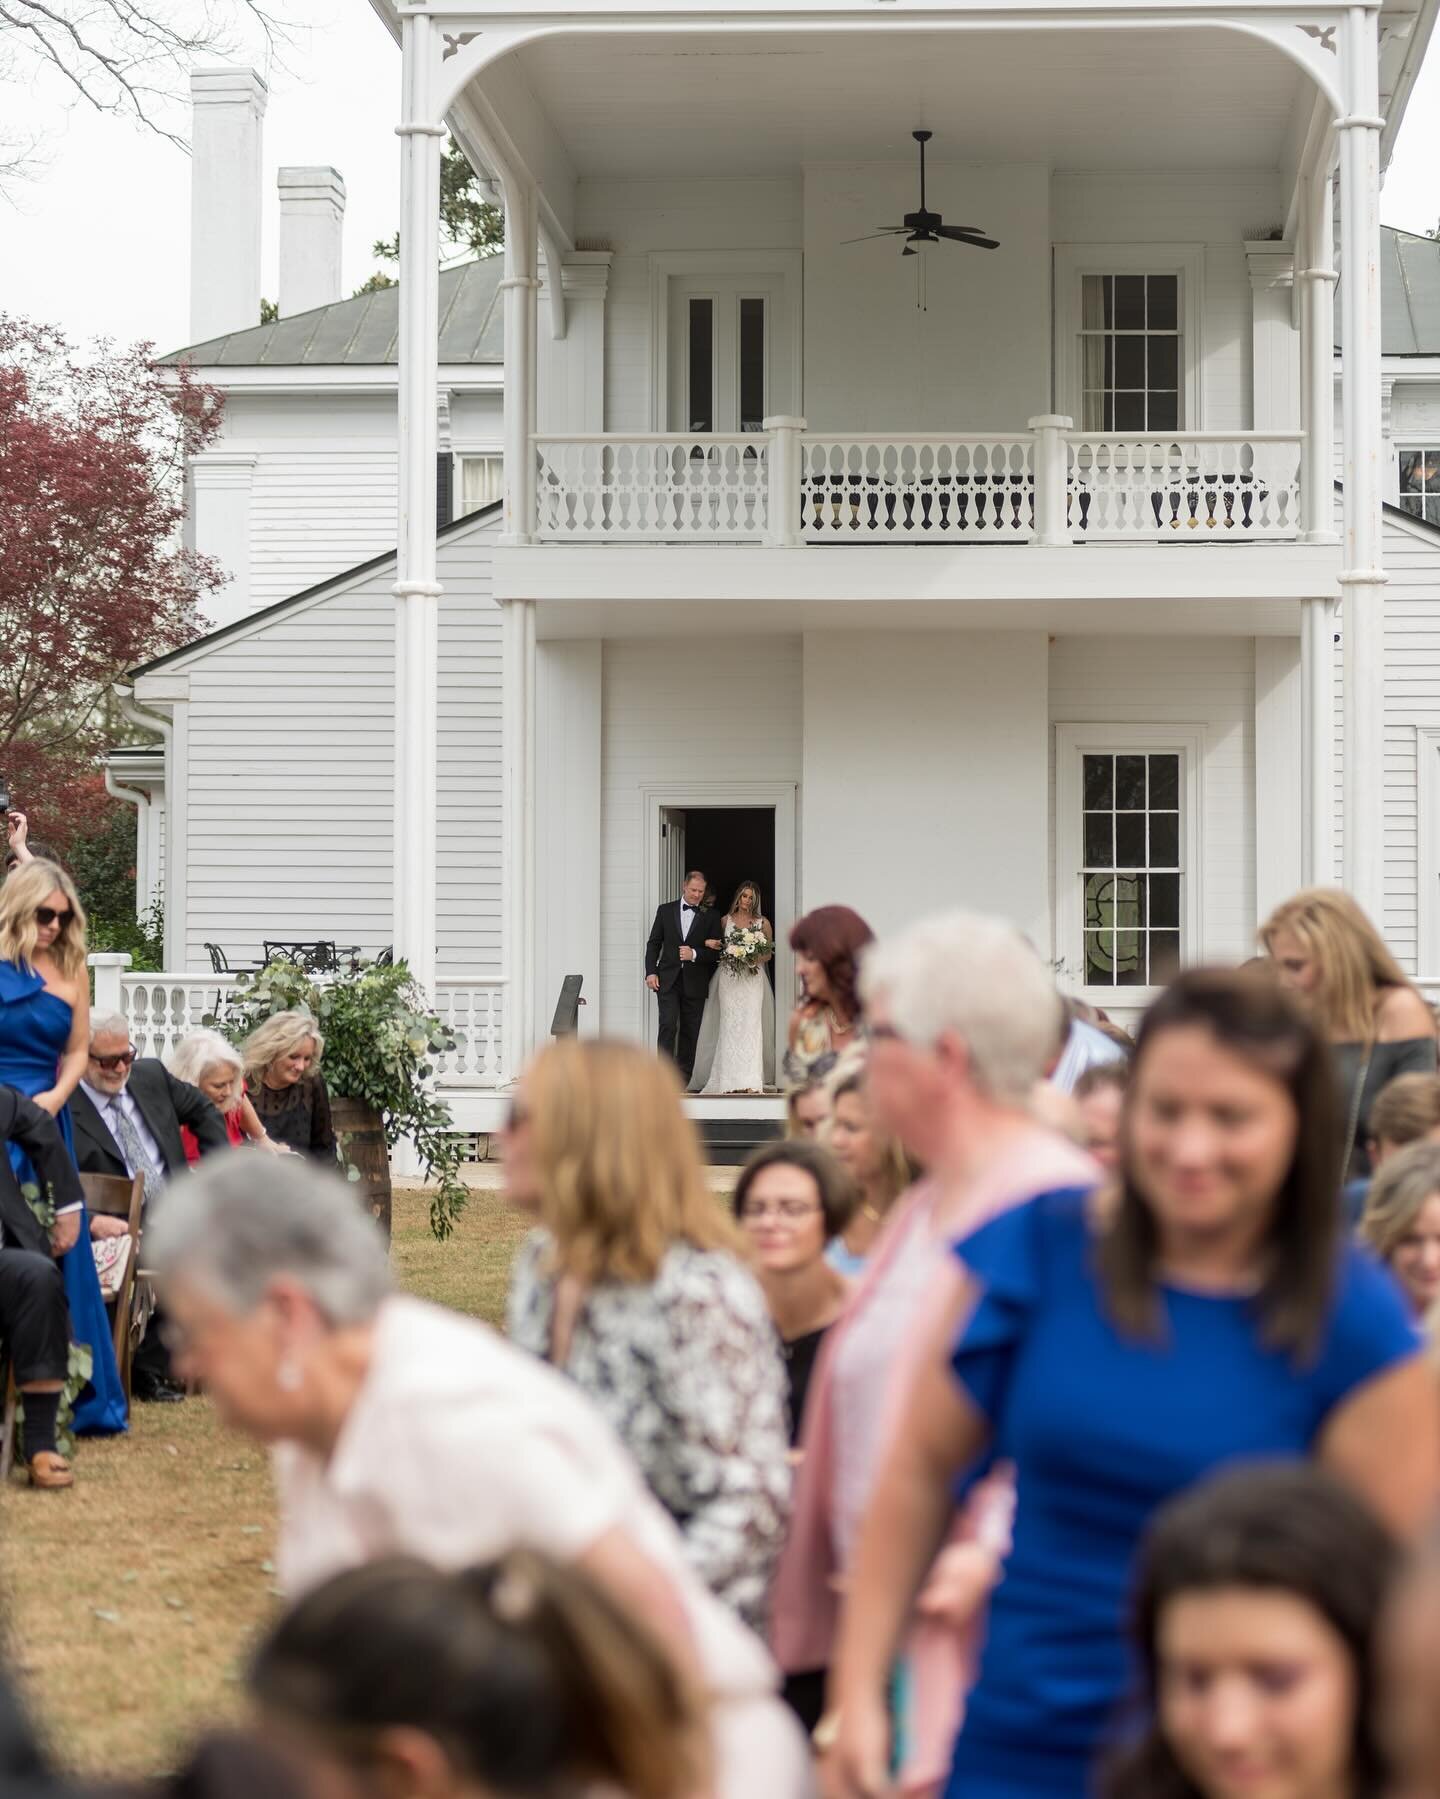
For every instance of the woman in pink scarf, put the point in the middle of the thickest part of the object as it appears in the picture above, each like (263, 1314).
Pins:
(963, 1019)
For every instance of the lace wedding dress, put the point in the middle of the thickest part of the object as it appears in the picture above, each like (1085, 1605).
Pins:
(736, 1033)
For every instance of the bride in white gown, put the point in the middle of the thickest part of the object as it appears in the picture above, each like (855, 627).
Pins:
(736, 1051)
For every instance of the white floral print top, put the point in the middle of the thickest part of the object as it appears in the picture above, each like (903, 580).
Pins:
(689, 1373)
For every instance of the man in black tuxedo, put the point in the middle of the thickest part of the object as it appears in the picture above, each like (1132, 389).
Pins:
(34, 1313)
(127, 1115)
(679, 967)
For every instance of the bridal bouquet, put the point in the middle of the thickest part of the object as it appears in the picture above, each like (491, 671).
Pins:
(745, 949)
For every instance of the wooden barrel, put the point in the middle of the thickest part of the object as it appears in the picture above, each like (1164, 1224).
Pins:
(365, 1158)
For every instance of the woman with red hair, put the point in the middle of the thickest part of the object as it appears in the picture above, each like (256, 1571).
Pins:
(827, 944)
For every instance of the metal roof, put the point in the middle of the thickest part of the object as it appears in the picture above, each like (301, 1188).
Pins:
(365, 329)
(1409, 295)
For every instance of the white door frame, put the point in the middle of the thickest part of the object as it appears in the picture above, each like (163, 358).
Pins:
(788, 317)
(782, 907)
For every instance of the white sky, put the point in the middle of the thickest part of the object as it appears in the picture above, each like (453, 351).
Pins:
(98, 242)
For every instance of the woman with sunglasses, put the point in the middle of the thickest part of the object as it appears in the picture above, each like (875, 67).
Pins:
(44, 1046)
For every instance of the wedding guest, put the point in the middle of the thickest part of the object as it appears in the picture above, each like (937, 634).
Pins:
(1410, 1674)
(792, 1200)
(1099, 1095)
(1406, 1110)
(1083, 1043)
(521, 1679)
(17, 840)
(807, 1109)
(963, 1019)
(44, 1049)
(1401, 1222)
(827, 944)
(285, 1085)
(1258, 1600)
(205, 1060)
(130, 1116)
(876, 1162)
(1219, 1313)
(1337, 964)
(637, 1288)
(399, 1428)
(34, 1313)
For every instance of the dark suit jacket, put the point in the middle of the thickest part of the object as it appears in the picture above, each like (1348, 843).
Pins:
(165, 1104)
(32, 1127)
(662, 952)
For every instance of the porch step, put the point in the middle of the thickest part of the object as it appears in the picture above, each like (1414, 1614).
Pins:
(729, 1142)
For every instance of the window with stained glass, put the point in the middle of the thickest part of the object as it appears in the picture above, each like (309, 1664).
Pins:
(1133, 874)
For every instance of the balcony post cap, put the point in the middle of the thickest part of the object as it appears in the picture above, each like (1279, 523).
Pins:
(782, 422)
(1050, 421)
(109, 959)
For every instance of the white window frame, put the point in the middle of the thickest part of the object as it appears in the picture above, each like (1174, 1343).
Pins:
(1072, 743)
(789, 315)
(1410, 446)
(1074, 261)
(459, 454)
(1427, 797)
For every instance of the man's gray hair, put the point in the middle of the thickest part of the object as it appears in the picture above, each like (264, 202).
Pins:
(975, 976)
(109, 1024)
(245, 1217)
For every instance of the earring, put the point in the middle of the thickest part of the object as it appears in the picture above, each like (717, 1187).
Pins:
(287, 1376)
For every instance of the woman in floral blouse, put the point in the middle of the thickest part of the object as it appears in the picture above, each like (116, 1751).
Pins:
(636, 1286)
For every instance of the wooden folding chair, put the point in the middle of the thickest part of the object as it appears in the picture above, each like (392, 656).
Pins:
(120, 1196)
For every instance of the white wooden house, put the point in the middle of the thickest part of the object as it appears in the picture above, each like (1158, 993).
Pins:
(1015, 578)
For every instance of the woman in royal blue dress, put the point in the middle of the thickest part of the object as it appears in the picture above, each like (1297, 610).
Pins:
(44, 1046)
(1115, 1352)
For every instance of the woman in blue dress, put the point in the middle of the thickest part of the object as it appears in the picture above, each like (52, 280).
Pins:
(1116, 1352)
(44, 1046)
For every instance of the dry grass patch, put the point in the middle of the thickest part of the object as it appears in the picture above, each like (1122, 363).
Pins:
(131, 1599)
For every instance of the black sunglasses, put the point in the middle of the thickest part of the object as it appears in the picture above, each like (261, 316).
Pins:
(47, 915)
(111, 1063)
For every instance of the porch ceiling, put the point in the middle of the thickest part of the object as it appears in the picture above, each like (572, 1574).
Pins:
(736, 103)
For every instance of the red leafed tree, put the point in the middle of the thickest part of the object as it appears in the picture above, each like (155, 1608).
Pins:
(94, 575)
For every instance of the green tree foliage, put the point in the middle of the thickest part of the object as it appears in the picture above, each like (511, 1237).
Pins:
(470, 225)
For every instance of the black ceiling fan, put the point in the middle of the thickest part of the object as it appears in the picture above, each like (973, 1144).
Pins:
(925, 227)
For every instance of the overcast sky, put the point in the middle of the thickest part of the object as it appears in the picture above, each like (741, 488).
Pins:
(98, 241)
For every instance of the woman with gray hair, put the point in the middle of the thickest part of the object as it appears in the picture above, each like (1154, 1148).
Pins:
(398, 1428)
(207, 1061)
(284, 1084)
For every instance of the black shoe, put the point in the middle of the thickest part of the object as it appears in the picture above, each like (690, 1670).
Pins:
(150, 1389)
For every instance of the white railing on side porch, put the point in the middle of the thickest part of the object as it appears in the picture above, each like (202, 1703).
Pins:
(162, 1008)
(1050, 485)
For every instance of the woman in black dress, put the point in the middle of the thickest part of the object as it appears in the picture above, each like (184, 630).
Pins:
(285, 1085)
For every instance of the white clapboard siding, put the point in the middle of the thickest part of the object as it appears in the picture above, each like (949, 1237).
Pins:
(1208, 681)
(286, 751)
(317, 509)
(684, 711)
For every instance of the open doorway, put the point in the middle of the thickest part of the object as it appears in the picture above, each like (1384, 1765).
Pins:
(714, 829)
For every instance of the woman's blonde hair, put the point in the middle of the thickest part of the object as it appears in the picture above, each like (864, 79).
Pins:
(618, 1162)
(1397, 1196)
(1353, 964)
(280, 1035)
(897, 1168)
(28, 885)
(197, 1053)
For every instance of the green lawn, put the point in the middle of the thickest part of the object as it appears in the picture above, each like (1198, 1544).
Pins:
(129, 1601)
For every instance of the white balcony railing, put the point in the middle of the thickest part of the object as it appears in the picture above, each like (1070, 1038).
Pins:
(162, 1008)
(1049, 485)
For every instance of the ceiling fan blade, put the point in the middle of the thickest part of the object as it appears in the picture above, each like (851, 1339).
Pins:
(957, 236)
(884, 231)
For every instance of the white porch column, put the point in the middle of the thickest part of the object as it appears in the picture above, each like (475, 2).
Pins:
(1362, 582)
(417, 592)
(517, 892)
(1317, 681)
(1275, 361)
(520, 288)
(1317, 332)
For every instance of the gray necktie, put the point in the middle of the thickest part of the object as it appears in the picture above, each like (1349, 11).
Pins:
(137, 1158)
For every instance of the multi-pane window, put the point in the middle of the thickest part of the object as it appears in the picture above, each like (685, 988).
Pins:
(726, 364)
(1131, 845)
(1130, 352)
(482, 483)
(1420, 483)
